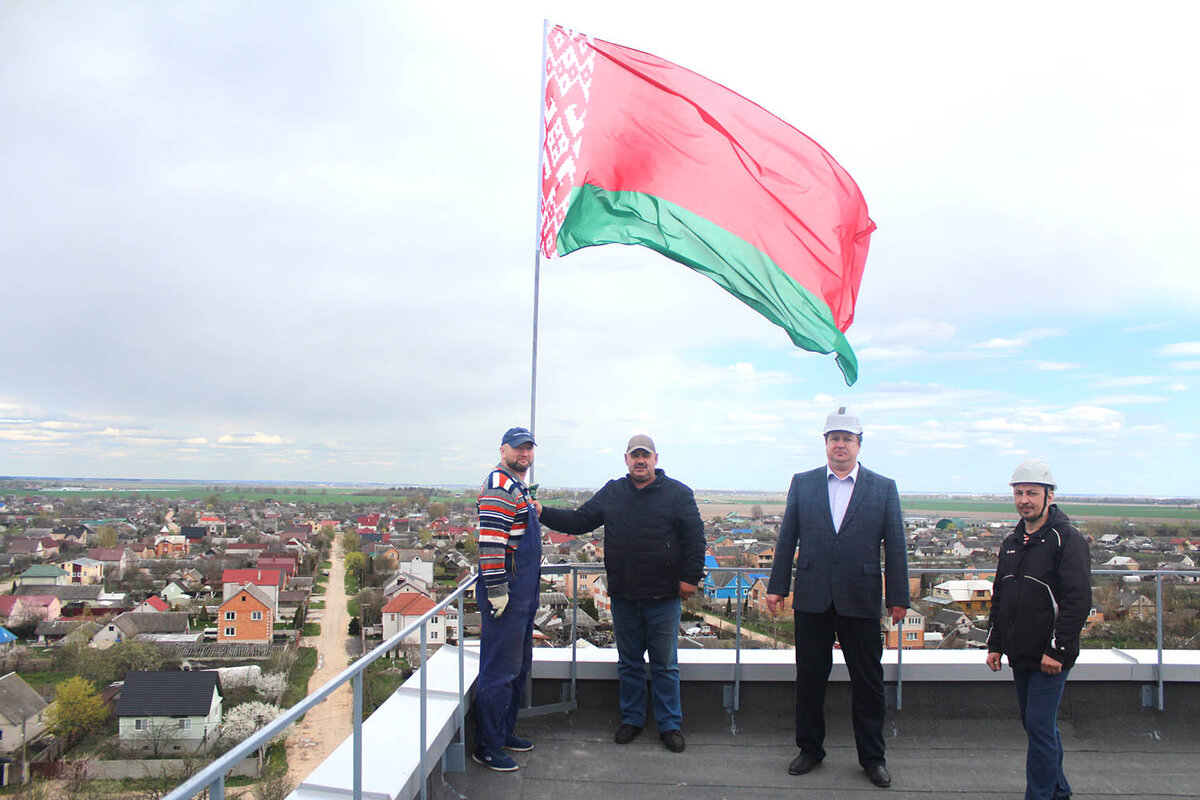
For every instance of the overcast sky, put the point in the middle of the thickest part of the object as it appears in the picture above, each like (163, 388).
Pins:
(294, 241)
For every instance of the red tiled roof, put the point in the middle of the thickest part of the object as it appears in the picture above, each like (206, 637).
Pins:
(408, 604)
(157, 603)
(258, 577)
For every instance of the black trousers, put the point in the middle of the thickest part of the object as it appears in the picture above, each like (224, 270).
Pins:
(863, 649)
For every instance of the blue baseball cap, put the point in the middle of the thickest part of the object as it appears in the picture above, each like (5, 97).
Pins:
(515, 437)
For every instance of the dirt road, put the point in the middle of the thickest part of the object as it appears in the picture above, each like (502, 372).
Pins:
(329, 724)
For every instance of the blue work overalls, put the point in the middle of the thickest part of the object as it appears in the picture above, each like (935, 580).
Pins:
(506, 642)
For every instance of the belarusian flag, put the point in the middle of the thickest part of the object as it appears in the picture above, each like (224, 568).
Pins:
(641, 151)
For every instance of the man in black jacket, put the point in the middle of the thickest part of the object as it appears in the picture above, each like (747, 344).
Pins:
(1040, 601)
(654, 556)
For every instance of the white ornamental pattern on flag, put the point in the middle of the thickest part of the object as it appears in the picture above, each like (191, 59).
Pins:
(569, 66)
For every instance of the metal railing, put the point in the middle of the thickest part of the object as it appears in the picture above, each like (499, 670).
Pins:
(212, 777)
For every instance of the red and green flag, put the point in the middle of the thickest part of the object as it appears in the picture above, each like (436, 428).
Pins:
(641, 151)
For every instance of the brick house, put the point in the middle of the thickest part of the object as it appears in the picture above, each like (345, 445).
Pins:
(247, 616)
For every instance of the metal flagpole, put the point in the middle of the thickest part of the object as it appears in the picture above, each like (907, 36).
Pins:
(537, 239)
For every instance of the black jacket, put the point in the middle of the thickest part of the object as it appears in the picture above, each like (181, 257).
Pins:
(1042, 594)
(653, 537)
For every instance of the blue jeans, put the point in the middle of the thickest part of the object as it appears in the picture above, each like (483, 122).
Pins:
(641, 627)
(1038, 695)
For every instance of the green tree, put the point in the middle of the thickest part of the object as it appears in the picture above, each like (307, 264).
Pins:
(438, 509)
(355, 563)
(76, 710)
(106, 536)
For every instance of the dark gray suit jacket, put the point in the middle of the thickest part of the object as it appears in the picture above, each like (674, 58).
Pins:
(841, 568)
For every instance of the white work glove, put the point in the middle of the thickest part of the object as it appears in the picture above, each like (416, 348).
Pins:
(499, 603)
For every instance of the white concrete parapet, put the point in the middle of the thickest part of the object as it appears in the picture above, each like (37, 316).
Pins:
(392, 737)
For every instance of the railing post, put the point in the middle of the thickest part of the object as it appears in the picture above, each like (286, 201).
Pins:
(575, 630)
(737, 659)
(899, 662)
(1158, 611)
(455, 759)
(424, 717)
(357, 683)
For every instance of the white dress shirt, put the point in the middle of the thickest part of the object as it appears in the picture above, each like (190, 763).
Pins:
(840, 490)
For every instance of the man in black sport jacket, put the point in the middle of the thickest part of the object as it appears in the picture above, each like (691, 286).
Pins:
(1040, 601)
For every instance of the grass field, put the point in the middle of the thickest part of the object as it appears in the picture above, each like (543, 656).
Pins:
(718, 504)
(314, 495)
(953, 507)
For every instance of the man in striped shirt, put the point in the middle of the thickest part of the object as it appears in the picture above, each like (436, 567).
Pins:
(510, 557)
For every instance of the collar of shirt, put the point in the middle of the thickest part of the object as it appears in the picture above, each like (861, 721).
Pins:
(517, 480)
(853, 476)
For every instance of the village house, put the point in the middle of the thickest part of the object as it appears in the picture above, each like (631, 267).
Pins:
(973, 596)
(1136, 605)
(115, 559)
(151, 605)
(175, 594)
(21, 719)
(170, 545)
(268, 581)
(74, 597)
(24, 609)
(285, 563)
(141, 625)
(400, 582)
(86, 571)
(43, 575)
(168, 713)
(914, 631)
(211, 523)
(406, 608)
(248, 615)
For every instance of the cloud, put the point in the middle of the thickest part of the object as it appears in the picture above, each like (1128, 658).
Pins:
(999, 343)
(1181, 349)
(1186, 366)
(1042, 333)
(1053, 366)
(905, 332)
(1128, 399)
(1131, 380)
(251, 438)
(1091, 419)
(900, 355)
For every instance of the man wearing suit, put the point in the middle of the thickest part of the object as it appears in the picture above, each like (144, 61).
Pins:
(837, 519)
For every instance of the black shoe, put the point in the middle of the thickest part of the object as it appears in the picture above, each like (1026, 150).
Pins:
(879, 775)
(673, 740)
(804, 763)
(627, 733)
(517, 745)
(497, 760)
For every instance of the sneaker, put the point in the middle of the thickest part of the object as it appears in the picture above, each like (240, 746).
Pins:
(497, 760)
(673, 740)
(517, 744)
(627, 733)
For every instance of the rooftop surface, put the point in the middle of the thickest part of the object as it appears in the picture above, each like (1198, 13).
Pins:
(955, 741)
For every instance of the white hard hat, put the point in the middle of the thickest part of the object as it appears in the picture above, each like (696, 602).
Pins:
(841, 421)
(1033, 470)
